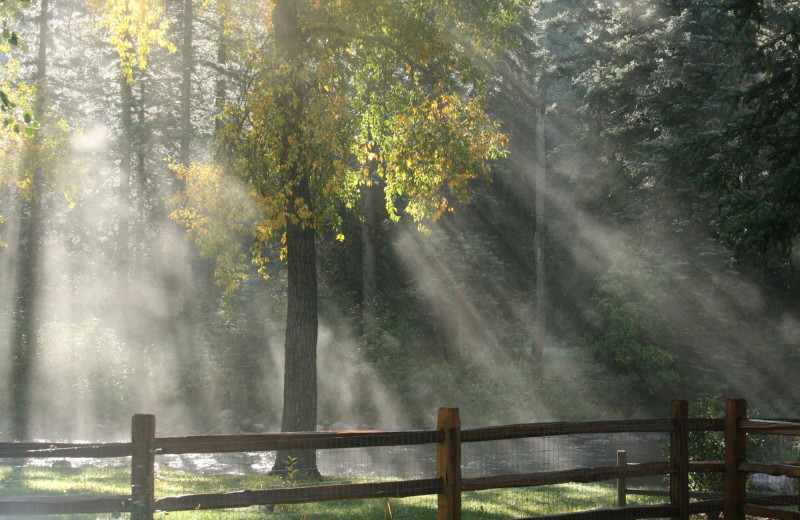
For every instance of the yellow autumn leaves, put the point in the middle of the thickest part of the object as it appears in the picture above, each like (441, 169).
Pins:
(221, 215)
(134, 26)
(352, 113)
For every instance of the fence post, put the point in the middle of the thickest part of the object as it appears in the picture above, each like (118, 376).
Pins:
(622, 488)
(448, 464)
(679, 457)
(735, 453)
(143, 435)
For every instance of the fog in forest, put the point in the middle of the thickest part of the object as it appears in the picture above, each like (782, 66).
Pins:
(667, 237)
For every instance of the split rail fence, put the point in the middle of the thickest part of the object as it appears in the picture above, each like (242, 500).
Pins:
(448, 484)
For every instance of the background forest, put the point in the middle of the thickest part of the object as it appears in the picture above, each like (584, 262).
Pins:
(628, 236)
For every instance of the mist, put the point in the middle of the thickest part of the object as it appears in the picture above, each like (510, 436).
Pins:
(659, 283)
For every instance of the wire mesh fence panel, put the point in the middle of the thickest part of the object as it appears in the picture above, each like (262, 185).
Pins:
(391, 462)
(65, 476)
(230, 471)
(773, 490)
(339, 468)
(773, 448)
(63, 484)
(550, 455)
(380, 477)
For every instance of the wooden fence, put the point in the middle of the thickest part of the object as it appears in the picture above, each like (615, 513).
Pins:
(448, 483)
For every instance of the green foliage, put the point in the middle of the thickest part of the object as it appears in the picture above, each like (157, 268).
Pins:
(15, 95)
(707, 446)
(12, 39)
(628, 327)
(700, 100)
(92, 367)
(237, 370)
(755, 174)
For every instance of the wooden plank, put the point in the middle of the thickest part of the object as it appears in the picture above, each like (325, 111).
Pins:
(735, 454)
(520, 431)
(64, 505)
(39, 450)
(617, 513)
(770, 427)
(768, 512)
(772, 500)
(786, 470)
(633, 512)
(754, 498)
(649, 492)
(143, 434)
(702, 424)
(448, 465)
(251, 442)
(679, 457)
(717, 495)
(545, 478)
(622, 485)
(299, 495)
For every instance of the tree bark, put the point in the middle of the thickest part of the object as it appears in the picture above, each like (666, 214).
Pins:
(187, 67)
(221, 87)
(369, 280)
(29, 279)
(142, 209)
(540, 174)
(300, 375)
(124, 193)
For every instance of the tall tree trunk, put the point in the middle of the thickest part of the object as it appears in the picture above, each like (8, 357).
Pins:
(6, 271)
(141, 142)
(369, 279)
(221, 87)
(540, 174)
(124, 194)
(187, 66)
(300, 375)
(29, 279)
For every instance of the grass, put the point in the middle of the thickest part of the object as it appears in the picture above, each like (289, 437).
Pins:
(484, 505)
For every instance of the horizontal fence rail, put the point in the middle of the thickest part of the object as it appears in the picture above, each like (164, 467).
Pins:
(769, 427)
(448, 484)
(44, 450)
(634, 512)
(550, 429)
(30, 506)
(252, 442)
(521, 431)
(300, 495)
(580, 475)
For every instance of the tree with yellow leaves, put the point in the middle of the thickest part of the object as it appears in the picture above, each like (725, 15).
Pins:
(346, 93)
